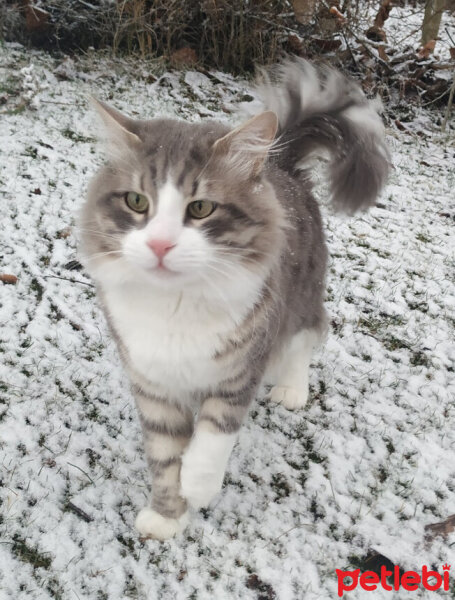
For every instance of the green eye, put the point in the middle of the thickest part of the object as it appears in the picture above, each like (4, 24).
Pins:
(137, 202)
(199, 209)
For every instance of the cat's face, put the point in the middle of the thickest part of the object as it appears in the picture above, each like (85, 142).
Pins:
(182, 204)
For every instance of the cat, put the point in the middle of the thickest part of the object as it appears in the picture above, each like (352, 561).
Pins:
(207, 249)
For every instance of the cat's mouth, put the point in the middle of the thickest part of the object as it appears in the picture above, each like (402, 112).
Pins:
(163, 270)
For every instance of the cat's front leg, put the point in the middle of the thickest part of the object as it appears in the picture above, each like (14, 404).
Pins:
(204, 461)
(167, 430)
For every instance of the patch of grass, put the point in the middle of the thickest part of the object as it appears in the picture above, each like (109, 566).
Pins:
(373, 325)
(56, 312)
(389, 445)
(10, 85)
(423, 238)
(36, 287)
(128, 544)
(77, 137)
(362, 243)
(317, 511)
(392, 319)
(263, 589)
(27, 342)
(419, 359)
(31, 152)
(280, 485)
(93, 457)
(381, 253)
(22, 449)
(382, 474)
(420, 306)
(29, 554)
(391, 342)
(131, 589)
(55, 589)
(292, 463)
(93, 414)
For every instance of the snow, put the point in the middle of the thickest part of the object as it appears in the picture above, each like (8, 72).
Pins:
(366, 466)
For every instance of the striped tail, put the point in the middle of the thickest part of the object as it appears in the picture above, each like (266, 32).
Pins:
(319, 108)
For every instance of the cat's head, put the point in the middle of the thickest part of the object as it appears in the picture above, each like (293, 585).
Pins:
(181, 204)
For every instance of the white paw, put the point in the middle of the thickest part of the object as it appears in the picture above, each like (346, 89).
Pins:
(199, 482)
(151, 524)
(203, 466)
(289, 397)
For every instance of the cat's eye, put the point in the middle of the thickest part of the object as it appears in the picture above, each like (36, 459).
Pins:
(199, 209)
(137, 202)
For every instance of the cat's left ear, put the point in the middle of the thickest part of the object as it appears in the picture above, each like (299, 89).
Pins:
(118, 128)
(245, 148)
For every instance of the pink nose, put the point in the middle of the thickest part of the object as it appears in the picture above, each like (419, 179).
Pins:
(160, 247)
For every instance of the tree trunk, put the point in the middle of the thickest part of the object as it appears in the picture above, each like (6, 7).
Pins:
(432, 20)
(304, 10)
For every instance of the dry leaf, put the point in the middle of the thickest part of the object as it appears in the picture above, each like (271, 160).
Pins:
(36, 19)
(337, 14)
(440, 529)
(427, 49)
(377, 34)
(184, 57)
(400, 125)
(382, 53)
(7, 278)
(326, 45)
(64, 233)
(296, 45)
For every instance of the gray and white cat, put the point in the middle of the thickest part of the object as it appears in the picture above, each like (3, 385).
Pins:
(207, 249)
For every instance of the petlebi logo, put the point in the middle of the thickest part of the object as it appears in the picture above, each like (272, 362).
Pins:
(393, 580)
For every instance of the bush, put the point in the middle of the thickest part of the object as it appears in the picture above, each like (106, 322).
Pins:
(236, 35)
(232, 35)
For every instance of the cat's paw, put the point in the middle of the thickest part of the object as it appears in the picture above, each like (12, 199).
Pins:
(199, 484)
(289, 397)
(151, 524)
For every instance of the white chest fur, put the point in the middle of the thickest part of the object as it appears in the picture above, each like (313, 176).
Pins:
(172, 338)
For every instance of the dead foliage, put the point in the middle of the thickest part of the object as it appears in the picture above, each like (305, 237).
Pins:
(443, 529)
(235, 35)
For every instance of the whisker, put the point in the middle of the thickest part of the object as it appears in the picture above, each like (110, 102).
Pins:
(97, 232)
(102, 254)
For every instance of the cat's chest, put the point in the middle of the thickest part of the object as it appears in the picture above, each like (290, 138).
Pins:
(171, 341)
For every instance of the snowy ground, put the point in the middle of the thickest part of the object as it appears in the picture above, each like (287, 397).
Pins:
(366, 466)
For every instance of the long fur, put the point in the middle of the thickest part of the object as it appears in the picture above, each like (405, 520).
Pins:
(321, 109)
(238, 298)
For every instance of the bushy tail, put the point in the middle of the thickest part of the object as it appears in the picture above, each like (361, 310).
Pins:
(319, 108)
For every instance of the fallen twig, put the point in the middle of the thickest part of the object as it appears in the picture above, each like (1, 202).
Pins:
(449, 105)
(78, 511)
(68, 279)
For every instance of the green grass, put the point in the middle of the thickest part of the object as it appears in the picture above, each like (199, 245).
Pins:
(77, 137)
(30, 554)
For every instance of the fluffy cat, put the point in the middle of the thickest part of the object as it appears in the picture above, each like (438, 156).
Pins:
(207, 249)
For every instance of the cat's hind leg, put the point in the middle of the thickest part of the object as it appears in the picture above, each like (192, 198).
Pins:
(289, 372)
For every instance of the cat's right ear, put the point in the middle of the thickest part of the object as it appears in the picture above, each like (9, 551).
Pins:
(245, 149)
(119, 129)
